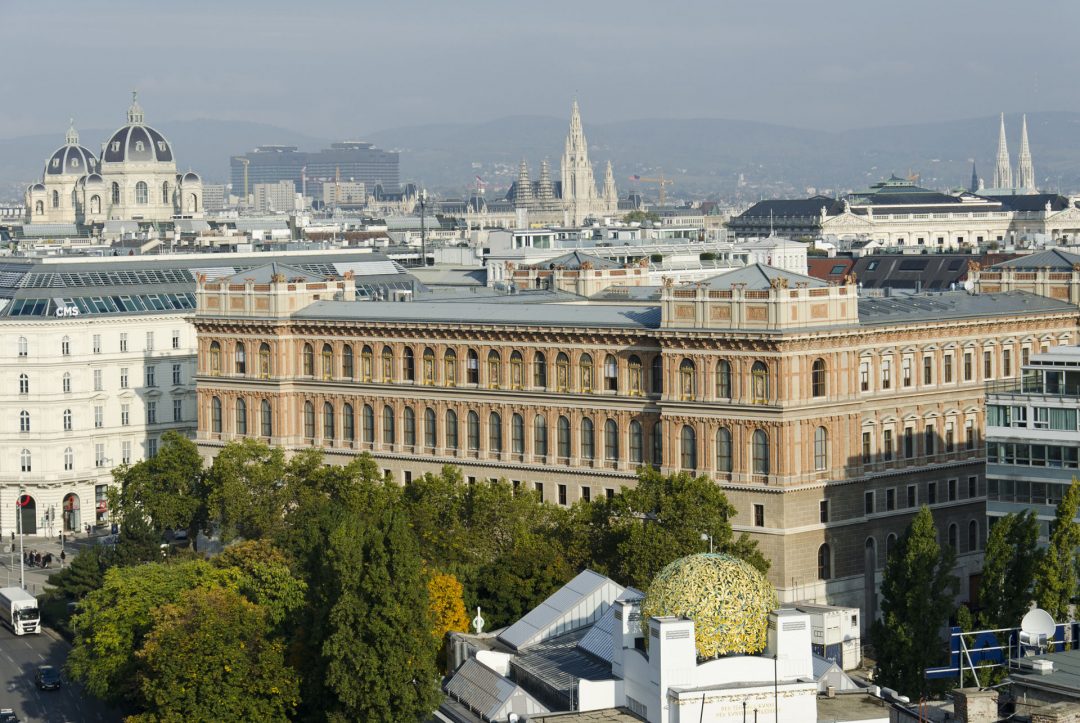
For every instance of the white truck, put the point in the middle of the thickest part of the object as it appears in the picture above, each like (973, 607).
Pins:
(19, 610)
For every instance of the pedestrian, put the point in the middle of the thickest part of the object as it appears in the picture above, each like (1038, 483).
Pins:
(63, 558)
(37, 559)
(47, 560)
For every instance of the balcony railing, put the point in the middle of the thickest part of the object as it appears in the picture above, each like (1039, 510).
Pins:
(1033, 385)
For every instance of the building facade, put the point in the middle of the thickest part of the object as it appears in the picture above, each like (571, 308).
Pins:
(343, 161)
(827, 419)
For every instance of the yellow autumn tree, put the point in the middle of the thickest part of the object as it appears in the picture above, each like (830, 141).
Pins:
(447, 605)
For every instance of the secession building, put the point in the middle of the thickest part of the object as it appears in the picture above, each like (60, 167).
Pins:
(826, 418)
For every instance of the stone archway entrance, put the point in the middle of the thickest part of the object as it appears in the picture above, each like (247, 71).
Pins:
(27, 515)
(72, 518)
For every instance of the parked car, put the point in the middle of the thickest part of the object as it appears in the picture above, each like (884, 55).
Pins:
(7, 715)
(47, 678)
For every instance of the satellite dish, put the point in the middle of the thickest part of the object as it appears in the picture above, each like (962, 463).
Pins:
(969, 285)
(1038, 622)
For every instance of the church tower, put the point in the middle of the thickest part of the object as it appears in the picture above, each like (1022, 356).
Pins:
(523, 192)
(611, 196)
(578, 183)
(1025, 171)
(974, 187)
(1003, 171)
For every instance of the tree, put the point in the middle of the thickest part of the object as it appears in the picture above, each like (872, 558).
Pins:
(211, 656)
(639, 216)
(85, 573)
(247, 490)
(447, 605)
(1012, 554)
(261, 573)
(518, 580)
(166, 490)
(917, 597)
(1055, 575)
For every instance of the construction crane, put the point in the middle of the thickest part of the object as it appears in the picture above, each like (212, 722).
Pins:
(660, 181)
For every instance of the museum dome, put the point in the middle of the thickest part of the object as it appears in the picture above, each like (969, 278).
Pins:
(728, 599)
(137, 142)
(71, 158)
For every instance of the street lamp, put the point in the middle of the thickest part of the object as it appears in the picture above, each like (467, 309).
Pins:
(19, 504)
(707, 536)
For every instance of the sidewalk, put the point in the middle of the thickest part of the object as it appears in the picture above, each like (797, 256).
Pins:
(37, 577)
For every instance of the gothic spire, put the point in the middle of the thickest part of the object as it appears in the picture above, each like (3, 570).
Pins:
(611, 196)
(1003, 170)
(524, 185)
(974, 187)
(1024, 170)
(545, 191)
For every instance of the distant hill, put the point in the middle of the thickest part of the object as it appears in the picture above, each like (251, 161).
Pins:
(705, 156)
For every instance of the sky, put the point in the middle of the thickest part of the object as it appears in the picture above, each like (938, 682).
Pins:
(332, 68)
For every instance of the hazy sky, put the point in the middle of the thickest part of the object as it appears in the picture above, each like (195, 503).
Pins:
(337, 69)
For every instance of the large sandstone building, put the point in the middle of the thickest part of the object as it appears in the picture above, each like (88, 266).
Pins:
(826, 418)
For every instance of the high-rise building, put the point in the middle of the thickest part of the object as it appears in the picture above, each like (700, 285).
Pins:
(277, 197)
(345, 161)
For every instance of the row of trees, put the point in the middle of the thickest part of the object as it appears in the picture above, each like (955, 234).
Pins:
(918, 588)
(338, 582)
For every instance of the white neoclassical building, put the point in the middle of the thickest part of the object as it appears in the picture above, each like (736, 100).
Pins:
(134, 179)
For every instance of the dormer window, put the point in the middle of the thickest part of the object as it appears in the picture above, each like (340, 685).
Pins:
(161, 146)
(116, 146)
(74, 162)
(138, 146)
(56, 163)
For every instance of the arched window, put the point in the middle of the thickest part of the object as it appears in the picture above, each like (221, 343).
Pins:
(450, 368)
(264, 360)
(611, 441)
(634, 375)
(723, 379)
(408, 362)
(562, 372)
(348, 423)
(890, 545)
(240, 358)
(266, 419)
(348, 369)
(821, 448)
(451, 430)
(215, 358)
(657, 445)
(309, 421)
(367, 364)
(494, 369)
(95, 204)
(973, 536)
(472, 367)
(517, 434)
(327, 361)
(760, 452)
(429, 367)
(817, 378)
(688, 448)
(588, 450)
(517, 370)
(870, 554)
(367, 424)
(24, 384)
(759, 383)
(723, 450)
(66, 382)
(540, 442)
(25, 464)
(24, 421)
(586, 367)
(495, 441)
(328, 422)
(115, 193)
(656, 372)
(193, 202)
(687, 381)
(308, 361)
(39, 207)
(388, 433)
(142, 193)
(65, 346)
(165, 200)
(637, 450)
(22, 346)
(824, 563)
(611, 374)
(387, 364)
(473, 431)
(56, 199)
(69, 459)
(430, 432)
(241, 416)
(954, 535)
(67, 420)
(562, 433)
(408, 419)
(539, 370)
(215, 415)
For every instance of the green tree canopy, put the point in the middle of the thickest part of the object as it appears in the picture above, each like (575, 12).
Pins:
(917, 597)
(1055, 575)
(247, 489)
(1012, 554)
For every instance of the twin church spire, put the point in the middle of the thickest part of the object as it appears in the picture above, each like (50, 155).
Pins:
(1025, 171)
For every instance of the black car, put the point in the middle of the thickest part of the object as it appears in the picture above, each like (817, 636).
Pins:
(47, 678)
(7, 715)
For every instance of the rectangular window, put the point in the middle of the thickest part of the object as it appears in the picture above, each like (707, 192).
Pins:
(408, 477)
(823, 511)
(866, 447)
(125, 452)
(150, 382)
(887, 445)
(97, 343)
(928, 370)
(912, 496)
(969, 434)
(886, 374)
(973, 486)
(988, 365)
(149, 341)
(931, 493)
(868, 502)
(177, 410)
(98, 384)
(586, 493)
(539, 487)
(909, 442)
(99, 455)
(562, 494)
(123, 377)
(905, 367)
(950, 437)
(1025, 356)
(123, 341)
(948, 368)
(151, 412)
(609, 492)
(890, 499)
(176, 378)
(759, 515)
(125, 414)
(929, 435)
(176, 339)
(864, 376)
(1006, 363)
(151, 447)
(952, 490)
(99, 416)
(968, 371)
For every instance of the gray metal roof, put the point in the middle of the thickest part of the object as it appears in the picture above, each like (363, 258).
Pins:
(760, 276)
(576, 259)
(480, 688)
(1065, 679)
(265, 274)
(509, 313)
(598, 640)
(1054, 259)
(557, 664)
(953, 305)
(534, 626)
